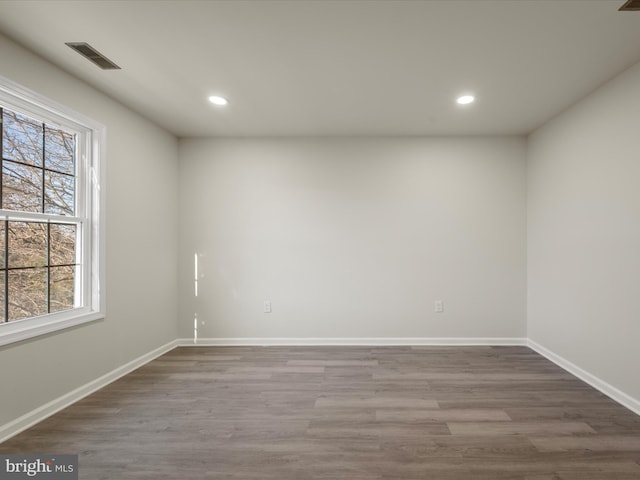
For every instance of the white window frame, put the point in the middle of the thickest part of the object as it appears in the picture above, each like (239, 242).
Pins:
(90, 213)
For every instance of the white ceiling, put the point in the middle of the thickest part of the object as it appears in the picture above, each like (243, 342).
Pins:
(305, 67)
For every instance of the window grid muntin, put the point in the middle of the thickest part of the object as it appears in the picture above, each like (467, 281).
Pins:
(43, 167)
(6, 268)
(42, 217)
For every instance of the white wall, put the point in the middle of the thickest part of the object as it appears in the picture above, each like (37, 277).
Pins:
(141, 245)
(353, 237)
(584, 234)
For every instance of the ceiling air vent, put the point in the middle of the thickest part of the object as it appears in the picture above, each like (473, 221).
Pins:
(630, 6)
(90, 53)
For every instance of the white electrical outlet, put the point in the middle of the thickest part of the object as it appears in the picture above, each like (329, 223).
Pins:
(439, 306)
(267, 306)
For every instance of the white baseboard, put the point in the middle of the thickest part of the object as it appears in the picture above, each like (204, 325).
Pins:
(365, 341)
(612, 392)
(39, 414)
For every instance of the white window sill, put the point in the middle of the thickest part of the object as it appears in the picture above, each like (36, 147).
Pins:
(19, 330)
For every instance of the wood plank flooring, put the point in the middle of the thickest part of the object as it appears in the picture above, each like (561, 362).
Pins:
(318, 413)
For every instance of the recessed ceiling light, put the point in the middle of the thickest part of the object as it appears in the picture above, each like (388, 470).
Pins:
(216, 100)
(465, 99)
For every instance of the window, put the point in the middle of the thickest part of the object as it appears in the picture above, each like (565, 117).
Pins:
(51, 234)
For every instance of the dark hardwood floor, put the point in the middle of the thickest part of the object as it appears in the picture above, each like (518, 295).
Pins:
(405, 413)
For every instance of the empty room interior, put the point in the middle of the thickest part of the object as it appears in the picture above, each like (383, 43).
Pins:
(321, 239)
